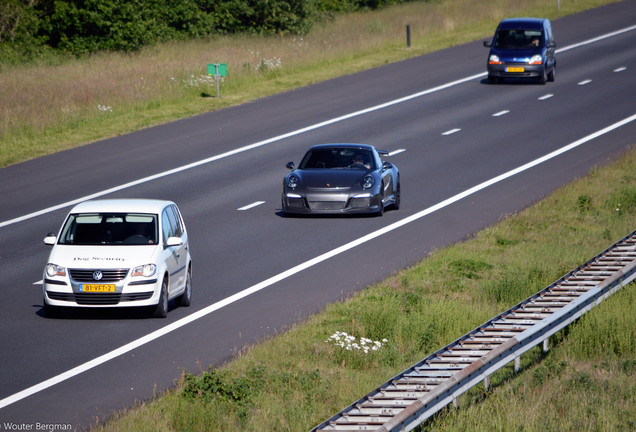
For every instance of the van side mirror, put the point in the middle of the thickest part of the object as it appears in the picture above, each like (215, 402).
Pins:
(487, 43)
(50, 239)
(174, 241)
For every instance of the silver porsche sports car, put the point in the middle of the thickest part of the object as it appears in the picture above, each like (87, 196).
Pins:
(339, 179)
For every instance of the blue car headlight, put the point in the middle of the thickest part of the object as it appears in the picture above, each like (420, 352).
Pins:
(367, 182)
(293, 181)
(536, 60)
(494, 59)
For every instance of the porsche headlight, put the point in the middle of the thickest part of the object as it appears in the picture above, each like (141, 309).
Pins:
(367, 182)
(494, 59)
(536, 59)
(146, 270)
(55, 270)
(293, 181)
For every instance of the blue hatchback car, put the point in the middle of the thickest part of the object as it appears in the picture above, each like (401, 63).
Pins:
(522, 48)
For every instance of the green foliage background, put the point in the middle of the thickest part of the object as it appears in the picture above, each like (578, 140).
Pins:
(31, 28)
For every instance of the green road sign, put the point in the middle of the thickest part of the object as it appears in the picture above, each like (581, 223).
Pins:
(217, 69)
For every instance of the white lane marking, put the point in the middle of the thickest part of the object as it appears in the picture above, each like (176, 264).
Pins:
(40, 282)
(299, 268)
(287, 135)
(585, 82)
(620, 69)
(249, 206)
(450, 132)
(394, 152)
(547, 96)
(500, 113)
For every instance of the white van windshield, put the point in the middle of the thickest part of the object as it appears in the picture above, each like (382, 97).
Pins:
(110, 229)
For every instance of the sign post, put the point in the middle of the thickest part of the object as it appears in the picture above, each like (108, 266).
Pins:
(217, 70)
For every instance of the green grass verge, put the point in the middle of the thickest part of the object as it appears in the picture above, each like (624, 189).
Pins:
(586, 382)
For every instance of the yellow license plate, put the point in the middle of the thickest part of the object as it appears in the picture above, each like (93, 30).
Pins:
(515, 69)
(97, 288)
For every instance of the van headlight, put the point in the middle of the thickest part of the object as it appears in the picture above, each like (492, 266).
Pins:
(55, 270)
(494, 59)
(145, 270)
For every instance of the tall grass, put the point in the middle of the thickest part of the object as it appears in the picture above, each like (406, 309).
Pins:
(66, 102)
(586, 382)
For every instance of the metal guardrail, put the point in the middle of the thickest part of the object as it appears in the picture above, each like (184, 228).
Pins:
(408, 399)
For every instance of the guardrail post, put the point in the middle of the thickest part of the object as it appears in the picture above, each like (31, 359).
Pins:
(546, 345)
(487, 382)
(517, 364)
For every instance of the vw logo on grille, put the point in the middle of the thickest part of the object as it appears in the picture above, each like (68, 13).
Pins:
(97, 275)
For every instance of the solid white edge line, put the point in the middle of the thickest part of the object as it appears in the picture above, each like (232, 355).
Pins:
(287, 135)
(292, 271)
(249, 206)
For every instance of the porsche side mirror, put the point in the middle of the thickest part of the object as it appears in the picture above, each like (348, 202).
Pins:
(290, 165)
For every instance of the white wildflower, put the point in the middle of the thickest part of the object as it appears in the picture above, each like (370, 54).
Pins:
(348, 342)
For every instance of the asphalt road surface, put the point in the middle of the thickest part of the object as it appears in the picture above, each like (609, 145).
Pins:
(469, 154)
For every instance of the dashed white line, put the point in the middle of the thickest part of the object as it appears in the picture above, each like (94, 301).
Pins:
(547, 96)
(585, 82)
(249, 206)
(620, 69)
(450, 132)
(394, 152)
(500, 113)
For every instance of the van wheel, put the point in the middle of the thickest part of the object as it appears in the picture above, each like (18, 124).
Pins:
(185, 299)
(161, 310)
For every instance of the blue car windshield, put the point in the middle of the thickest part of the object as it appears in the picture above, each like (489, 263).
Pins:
(338, 158)
(519, 39)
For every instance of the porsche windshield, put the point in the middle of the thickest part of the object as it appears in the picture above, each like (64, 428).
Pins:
(353, 158)
(110, 229)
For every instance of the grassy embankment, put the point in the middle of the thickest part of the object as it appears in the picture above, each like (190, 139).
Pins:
(62, 103)
(586, 382)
